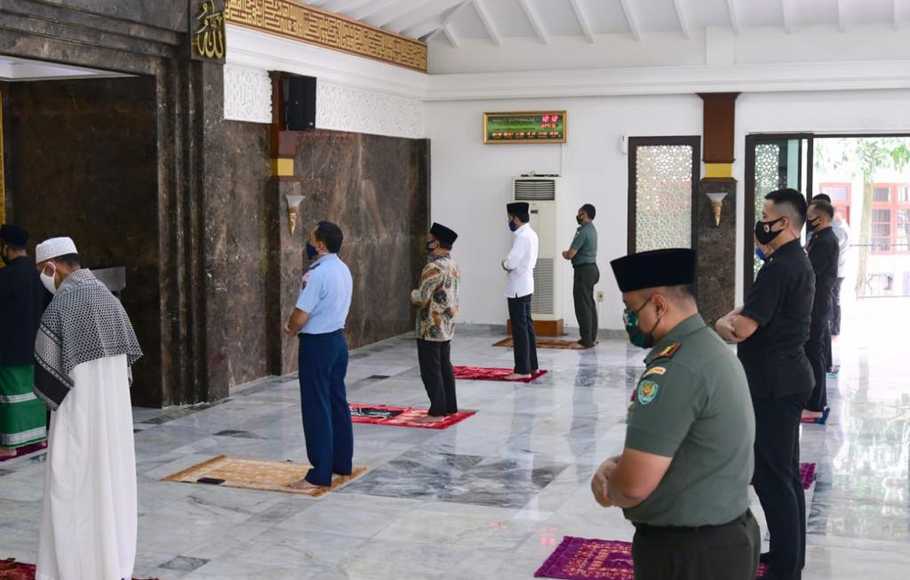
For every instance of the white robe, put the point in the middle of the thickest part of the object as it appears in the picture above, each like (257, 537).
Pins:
(89, 514)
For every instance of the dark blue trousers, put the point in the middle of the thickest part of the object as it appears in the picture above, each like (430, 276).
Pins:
(324, 403)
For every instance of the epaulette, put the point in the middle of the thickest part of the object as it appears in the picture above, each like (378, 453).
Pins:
(669, 351)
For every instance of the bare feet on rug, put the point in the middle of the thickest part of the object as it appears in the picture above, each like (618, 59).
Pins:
(428, 419)
(812, 415)
(4, 452)
(304, 485)
(516, 377)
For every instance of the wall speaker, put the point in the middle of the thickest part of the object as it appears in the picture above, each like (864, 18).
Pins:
(299, 100)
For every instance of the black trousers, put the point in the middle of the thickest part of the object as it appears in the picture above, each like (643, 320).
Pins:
(586, 277)
(817, 353)
(438, 376)
(523, 338)
(835, 300)
(727, 552)
(778, 484)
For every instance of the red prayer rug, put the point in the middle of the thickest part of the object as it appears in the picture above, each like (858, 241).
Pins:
(402, 416)
(25, 451)
(491, 374)
(13, 570)
(586, 559)
(807, 474)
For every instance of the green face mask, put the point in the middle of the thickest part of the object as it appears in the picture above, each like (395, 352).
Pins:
(637, 336)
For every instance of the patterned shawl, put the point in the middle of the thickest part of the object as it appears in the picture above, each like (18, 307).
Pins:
(83, 323)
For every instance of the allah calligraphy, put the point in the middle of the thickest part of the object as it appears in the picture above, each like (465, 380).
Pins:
(208, 39)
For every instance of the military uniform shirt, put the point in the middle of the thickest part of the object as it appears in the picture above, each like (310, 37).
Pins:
(585, 245)
(326, 295)
(692, 404)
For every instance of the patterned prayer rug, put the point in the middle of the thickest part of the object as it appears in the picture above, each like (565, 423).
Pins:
(12, 570)
(543, 342)
(807, 474)
(402, 416)
(586, 559)
(260, 475)
(491, 374)
(27, 449)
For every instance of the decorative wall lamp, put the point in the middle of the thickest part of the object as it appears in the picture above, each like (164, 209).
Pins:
(293, 211)
(717, 204)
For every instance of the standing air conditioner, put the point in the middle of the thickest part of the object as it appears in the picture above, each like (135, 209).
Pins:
(543, 195)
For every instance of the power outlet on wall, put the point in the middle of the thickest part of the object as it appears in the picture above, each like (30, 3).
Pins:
(599, 296)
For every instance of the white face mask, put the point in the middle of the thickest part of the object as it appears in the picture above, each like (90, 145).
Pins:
(48, 282)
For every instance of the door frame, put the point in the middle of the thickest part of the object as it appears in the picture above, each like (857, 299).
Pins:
(634, 142)
(749, 216)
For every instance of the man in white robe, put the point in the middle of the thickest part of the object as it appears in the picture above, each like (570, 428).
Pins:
(84, 353)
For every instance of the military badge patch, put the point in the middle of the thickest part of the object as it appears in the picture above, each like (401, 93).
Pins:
(647, 392)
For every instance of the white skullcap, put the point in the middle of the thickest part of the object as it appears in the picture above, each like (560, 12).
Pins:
(54, 248)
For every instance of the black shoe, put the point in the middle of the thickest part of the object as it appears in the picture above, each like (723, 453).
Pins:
(764, 557)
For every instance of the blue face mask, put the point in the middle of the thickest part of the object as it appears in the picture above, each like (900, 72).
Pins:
(760, 255)
(512, 226)
(311, 251)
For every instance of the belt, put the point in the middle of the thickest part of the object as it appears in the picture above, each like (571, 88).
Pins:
(303, 335)
(690, 529)
(585, 264)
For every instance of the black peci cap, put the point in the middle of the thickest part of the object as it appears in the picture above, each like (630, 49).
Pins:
(672, 267)
(13, 235)
(443, 234)
(518, 208)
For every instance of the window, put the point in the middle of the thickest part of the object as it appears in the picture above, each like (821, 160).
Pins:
(890, 218)
(840, 198)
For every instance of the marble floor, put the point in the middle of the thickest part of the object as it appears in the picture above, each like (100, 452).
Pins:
(488, 498)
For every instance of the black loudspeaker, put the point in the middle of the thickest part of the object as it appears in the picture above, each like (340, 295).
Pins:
(299, 102)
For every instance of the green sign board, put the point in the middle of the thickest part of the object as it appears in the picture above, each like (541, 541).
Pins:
(531, 127)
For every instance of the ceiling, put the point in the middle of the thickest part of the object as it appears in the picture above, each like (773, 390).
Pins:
(497, 21)
(19, 69)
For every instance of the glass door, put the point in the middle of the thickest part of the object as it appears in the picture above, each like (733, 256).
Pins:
(772, 162)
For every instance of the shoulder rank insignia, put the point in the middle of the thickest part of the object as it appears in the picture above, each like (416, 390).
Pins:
(655, 371)
(669, 351)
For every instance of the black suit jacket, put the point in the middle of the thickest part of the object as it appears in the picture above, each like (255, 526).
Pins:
(23, 299)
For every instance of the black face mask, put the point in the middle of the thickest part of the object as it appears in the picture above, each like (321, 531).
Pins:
(579, 220)
(811, 226)
(763, 232)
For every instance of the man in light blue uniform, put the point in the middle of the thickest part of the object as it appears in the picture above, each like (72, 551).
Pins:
(323, 357)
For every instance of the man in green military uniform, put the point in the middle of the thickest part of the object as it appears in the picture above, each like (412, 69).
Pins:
(683, 476)
(583, 254)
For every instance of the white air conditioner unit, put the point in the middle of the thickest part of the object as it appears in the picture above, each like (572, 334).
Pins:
(550, 284)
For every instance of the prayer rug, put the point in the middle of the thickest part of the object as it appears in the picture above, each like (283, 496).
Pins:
(13, 570)
(490, 374)
(34, 447)
(585, 559)
(818, 420)
(807, 474)
(365, 413)
(543, 342)
(259, 475)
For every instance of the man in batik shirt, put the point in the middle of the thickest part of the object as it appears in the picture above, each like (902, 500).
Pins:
(437, 302)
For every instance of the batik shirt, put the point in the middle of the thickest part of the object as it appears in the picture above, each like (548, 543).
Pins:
(437, 299)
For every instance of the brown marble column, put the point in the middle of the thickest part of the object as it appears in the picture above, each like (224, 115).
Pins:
(715, 219)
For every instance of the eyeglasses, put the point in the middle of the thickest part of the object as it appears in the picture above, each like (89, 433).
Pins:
(630, 317)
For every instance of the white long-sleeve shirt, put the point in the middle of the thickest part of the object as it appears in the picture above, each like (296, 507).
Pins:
(842, 232)
(521, 261)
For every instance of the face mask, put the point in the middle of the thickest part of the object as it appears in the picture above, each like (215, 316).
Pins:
(579, 220)
(760, 254)
(430, 247)
(311, 251)
(512, 226)
(637, 336)
(764, 233)
(812, 225)
(48, 281)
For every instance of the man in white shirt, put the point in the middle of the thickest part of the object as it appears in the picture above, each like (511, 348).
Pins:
(519, 289)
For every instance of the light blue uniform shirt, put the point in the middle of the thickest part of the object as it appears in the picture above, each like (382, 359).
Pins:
(326, 295)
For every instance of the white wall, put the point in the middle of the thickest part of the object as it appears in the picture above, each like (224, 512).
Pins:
(471, 184)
